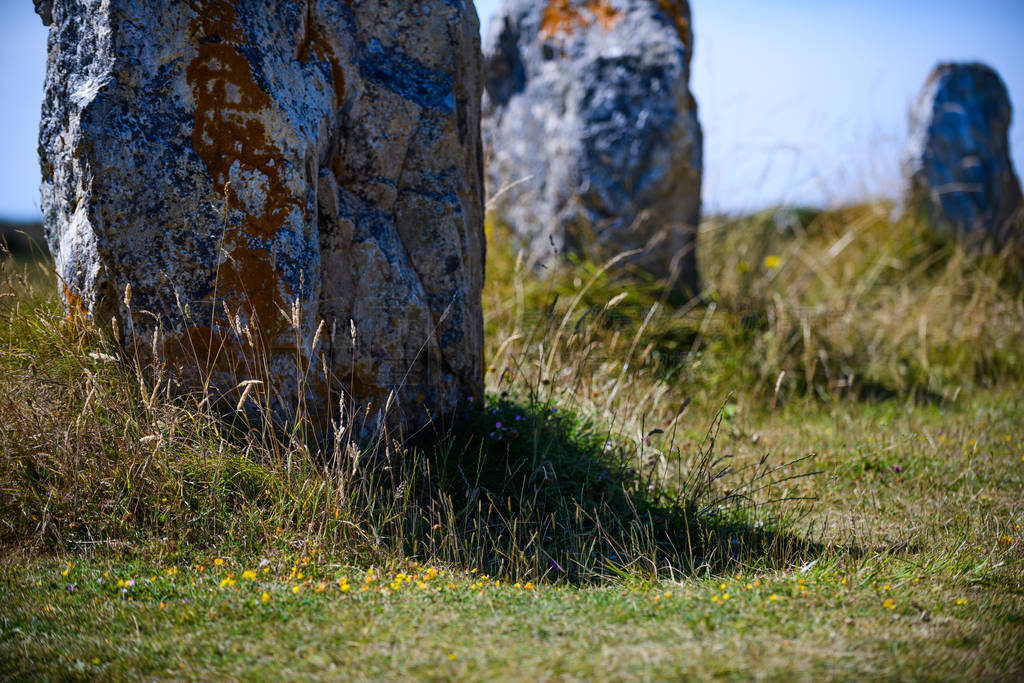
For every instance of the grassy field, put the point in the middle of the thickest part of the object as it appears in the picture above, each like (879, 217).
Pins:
(814, 472)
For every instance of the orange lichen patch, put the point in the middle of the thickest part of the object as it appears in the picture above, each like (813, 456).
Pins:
(564, 17)
(337, 166)
(560, 16)
(74, 308)
(231, 139)
(674, 9)
(203, 349)
(314, 44)
(605, 15)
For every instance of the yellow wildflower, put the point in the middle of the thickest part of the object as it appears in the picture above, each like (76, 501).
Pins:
(265, 597)
(218, 562)
(772, 261)
(249, 574)
(889, 604)
(296, 588)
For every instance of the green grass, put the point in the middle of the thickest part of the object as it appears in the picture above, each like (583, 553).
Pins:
(940, 531)
(874, 489)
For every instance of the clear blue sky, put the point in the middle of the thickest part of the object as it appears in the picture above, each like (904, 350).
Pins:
(801, 100)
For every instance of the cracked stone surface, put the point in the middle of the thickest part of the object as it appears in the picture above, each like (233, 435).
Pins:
(591, 133)
(260, 191)
(957, 163)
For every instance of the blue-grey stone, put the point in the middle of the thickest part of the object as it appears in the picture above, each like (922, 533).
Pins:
(957, 164)
(590, 130)
(288, 192)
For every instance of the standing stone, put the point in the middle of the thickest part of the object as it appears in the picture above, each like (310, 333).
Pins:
(592, 134)
(957, 164)
(260, 191)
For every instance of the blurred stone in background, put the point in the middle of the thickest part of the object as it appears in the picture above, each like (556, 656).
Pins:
(957, 164)
(591, 134)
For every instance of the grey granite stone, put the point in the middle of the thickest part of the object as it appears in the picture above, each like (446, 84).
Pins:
(591, 132)
(258, 191)
(957, 163)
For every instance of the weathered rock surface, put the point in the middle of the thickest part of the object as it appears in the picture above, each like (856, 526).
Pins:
(957, 163)
(255, 172)
(591, 132)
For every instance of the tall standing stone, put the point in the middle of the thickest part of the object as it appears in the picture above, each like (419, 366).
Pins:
(957, 163)
(260, 191)
(591, 132)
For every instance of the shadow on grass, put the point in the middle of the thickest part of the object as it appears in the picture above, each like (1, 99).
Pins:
(528, 491)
